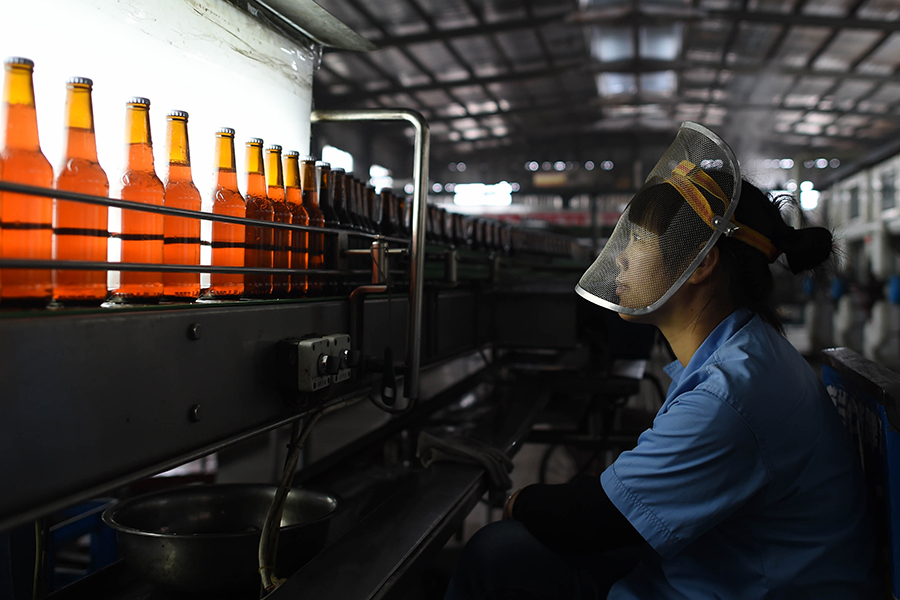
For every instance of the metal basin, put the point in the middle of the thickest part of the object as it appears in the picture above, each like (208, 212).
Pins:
(201, 539)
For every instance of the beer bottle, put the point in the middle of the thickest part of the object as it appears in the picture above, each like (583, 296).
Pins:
(81, 230)
(299, 239)
(258, 238)
(182, 235)
(308, 183)
(227, 238)
(339, 198)
(387, 212)
(25, 221)
(142, 232)
(373, 202)
(281, 238)
(325, 192)
(352, 186)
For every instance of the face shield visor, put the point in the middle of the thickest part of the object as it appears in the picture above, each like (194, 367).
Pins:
(669, 226)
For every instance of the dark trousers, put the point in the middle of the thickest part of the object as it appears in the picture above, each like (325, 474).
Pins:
(503, 561)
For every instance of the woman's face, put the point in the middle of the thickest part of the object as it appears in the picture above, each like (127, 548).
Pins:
(640, 280)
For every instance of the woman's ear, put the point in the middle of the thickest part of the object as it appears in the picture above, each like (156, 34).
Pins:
(706, 267)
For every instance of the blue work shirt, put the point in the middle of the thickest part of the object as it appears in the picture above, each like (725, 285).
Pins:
(746, 485)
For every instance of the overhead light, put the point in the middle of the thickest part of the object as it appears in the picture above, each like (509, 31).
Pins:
(480, 194)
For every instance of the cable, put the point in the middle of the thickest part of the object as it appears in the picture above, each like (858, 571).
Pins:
(268, 540)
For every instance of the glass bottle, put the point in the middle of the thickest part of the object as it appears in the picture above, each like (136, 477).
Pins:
(373, 201)
(308, 184)
(182, 235)
(81, 230)
(227, 238)
(258, 238)
(299, 239)
(332, 248)
(142, 232)
(26, 221)
(388, 209)
(281, 238)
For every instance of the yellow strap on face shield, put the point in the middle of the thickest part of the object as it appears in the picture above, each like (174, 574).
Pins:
(686, 178)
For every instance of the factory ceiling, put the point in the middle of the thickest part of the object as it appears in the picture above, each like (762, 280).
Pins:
(580, 80)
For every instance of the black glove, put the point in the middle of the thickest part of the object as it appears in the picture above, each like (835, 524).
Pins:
(467, 450)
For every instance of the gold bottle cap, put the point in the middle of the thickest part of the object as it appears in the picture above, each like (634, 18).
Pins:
(177, 114)
(274, 148)
(225, 131)
(255, 142)
(139, 101)
(291, 153)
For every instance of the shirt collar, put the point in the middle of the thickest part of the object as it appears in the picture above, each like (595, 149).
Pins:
(716, 338)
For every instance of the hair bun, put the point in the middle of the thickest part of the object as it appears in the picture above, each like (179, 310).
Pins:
(804, 248)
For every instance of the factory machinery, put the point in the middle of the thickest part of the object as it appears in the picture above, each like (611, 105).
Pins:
(438, 333)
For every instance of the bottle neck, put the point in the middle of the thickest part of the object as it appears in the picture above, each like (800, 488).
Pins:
(137, 134)
(179, 167)
(19, 116)
(323, 189)
(226, 174)
(308, 182)
(274, 172)
(256, 180)
(291, 172)
(80, 141)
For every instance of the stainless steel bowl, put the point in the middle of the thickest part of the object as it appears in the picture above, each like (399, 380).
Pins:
(205, 538)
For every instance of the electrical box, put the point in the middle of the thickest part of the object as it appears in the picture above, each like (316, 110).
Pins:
(308, 365)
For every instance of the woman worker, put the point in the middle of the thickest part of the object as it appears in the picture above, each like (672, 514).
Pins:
(746, 485)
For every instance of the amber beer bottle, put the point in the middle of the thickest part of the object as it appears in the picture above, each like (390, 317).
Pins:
(25, 221)
(299, 239)
(142, 232)
(227, 238)
(80, 230)
(332, 246)
(182, 235)
(308, 184)
(281, 238)
(258, 238)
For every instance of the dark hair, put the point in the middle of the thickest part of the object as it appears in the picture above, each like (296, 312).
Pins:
(747, 276)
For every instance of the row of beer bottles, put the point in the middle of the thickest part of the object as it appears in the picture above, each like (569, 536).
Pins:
(35, 227)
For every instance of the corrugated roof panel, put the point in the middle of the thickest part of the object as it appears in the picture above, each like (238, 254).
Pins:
(880, 10)
(771, 6)
(848, 46)
(448, 14)
(394, 62)
(521, 47)
(800, 44)
(888, 93)
(885, 59)
(433, 98)
(435, 57)
(752, 42)
(849, 91)
(479, 54)
(705, 40)
(808, 91)
(828, 8)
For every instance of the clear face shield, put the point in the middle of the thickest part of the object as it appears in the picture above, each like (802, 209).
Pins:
(669, 226)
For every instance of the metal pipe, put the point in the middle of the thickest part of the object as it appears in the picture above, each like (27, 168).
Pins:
(417, 246)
